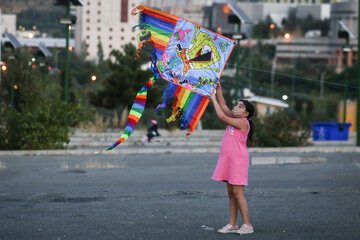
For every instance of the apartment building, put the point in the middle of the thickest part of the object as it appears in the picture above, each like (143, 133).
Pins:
(108, 22)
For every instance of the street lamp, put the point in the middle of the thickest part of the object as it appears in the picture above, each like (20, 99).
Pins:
(93, 78)
(284, 97)
(67, 20)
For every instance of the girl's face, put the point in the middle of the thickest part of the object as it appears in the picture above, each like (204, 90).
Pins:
(240, 110)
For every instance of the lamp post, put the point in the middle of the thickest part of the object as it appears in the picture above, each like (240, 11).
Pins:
(67, 53)
(12, 83)
(67, 20)
(237, 61)
(358, 83)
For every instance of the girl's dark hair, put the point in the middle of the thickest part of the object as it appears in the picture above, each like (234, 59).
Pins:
(251, 110)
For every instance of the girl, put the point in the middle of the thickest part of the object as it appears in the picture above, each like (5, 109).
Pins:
(233, 163)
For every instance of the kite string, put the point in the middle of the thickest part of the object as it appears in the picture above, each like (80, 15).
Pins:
(295, 76)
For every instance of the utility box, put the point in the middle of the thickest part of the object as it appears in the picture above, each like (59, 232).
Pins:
(330, 131)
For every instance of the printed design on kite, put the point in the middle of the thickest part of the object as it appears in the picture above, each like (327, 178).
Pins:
(203, 45)
(194, 58)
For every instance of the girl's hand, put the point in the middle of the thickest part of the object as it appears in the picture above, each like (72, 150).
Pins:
(218, 86)
(238, 113)
(213, 96)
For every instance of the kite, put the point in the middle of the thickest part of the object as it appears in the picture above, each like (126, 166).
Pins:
(191, 58)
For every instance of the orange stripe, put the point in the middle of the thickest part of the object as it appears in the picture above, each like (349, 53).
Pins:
(133, 117)
(178, 99)
(199, 112)
(140, 97)
(159, 41)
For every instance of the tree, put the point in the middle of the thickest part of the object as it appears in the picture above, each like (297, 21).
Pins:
(100, 52)
(37, 120)
(125, 80)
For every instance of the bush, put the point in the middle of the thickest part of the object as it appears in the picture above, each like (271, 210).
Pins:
(281, 129)
(38, 118)
(46, 126)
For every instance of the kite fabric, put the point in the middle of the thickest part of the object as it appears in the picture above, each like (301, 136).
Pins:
(191, 58)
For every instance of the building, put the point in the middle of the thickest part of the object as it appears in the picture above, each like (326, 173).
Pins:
(8, 23)
(265, 106)
(108, 23)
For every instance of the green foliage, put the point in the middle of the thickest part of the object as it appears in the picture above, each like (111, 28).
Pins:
(292, 24)
(46, 126)
(126, 79)
(281, 129)
(37, 120)
(262, 29)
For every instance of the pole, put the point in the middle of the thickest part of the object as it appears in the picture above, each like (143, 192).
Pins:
(12, 84)
(237, 62)
(67, 53)
(273, 68)
(346, 79)
(322, 84)
(358, 85)
(0, 43)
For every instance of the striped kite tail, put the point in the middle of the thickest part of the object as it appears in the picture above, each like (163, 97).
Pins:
(135, 113)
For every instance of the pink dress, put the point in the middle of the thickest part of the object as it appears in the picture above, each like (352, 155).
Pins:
(233, 163)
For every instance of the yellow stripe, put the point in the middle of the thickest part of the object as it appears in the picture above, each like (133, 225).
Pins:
(159, 41)
(185, 97)
(160, 37)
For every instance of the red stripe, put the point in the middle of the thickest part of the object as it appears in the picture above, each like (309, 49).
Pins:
(159, 46)
(132, 121)
(141, 98)
(199, 112)
(177, 91)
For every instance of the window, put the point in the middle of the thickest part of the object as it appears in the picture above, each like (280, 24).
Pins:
(88, 12)
(99, 3)
(99, 12)
(98, 20)
(99, 37)
(99, 29)
(110, 29)
(110, 46)
(133, 38)
(88, 20)
(110, 37)
(87, 37)
(88, 28)
(122, 38)
(122, 30)
(124, 10)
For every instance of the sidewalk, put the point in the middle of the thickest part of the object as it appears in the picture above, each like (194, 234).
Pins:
(205, 141)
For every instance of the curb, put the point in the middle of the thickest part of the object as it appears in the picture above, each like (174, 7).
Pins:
(286, 160)
(170, 150)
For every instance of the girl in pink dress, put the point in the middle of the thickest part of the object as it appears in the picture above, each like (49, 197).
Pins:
(233, 163)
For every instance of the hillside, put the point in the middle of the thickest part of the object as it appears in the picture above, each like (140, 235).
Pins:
(17, 6)
(40, 13)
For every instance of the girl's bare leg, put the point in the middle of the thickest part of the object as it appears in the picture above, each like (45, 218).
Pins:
(233, 205)
(238, 192)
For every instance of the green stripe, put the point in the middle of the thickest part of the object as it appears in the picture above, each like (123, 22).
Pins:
(136, 113)
(160, 31)
(136, 110)
(188, 100)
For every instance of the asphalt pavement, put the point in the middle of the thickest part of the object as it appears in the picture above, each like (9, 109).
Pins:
(171, 196)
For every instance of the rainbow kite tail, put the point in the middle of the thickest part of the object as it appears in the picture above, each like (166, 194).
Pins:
(135, 114)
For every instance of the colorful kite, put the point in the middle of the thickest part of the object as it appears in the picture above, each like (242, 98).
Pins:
(187, 55)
